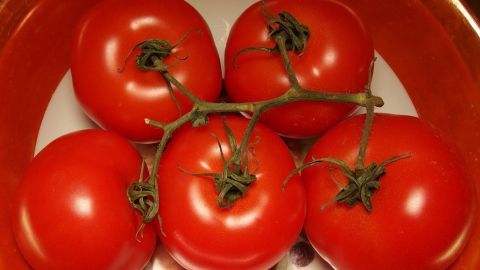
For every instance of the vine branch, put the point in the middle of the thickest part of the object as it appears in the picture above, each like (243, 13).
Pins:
(289, 36)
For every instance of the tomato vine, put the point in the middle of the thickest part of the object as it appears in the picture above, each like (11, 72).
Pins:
(289, 35)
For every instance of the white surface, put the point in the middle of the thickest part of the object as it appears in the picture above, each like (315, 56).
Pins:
(64, 114)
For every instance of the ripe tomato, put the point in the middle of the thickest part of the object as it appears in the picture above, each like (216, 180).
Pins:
(257, 230)
(120, 101)
(337, 58)
(422, 212)
(71, 211)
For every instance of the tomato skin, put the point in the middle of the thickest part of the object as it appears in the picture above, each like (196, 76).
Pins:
(422, 213)
(71, 209)
(336, 59)
(257, 230)
(120, 101)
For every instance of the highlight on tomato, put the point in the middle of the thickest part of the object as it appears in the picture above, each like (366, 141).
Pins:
(411, 207)
(240, 218)
(328, 47)
(117, 87)
(71, 210)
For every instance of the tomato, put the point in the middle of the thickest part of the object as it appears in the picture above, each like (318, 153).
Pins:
(422, 212)
(71, 210)
(337, 58)
(257, 230)
(120, 101)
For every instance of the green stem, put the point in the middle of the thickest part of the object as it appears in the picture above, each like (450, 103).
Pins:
(168, 130)
(182, 88)
(292, 77)
(290, 35)
(292, 95)
(360, 163)
(251, 124)
(370, 114)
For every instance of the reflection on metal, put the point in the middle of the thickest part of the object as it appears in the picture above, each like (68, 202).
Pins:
(468, 17)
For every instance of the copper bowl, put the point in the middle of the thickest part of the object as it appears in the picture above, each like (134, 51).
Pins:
(433, 47)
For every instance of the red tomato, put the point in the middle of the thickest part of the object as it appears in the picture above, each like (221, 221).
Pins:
(120, 101)
(336, 59)
(257, 230)
(71, 211)
(422, 212)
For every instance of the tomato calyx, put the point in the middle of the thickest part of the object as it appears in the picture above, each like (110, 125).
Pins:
(143, 196)
(153, 51)
(285, 24)
(363, 183)
(232, 183)
(282, 26)
(152, 54)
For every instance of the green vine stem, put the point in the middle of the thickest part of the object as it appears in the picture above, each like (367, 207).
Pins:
(370, 114)
(289, 35)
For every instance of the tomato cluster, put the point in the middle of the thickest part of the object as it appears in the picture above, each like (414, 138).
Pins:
(376, 191)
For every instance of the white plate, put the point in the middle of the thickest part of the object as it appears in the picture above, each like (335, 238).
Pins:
(64, 114)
